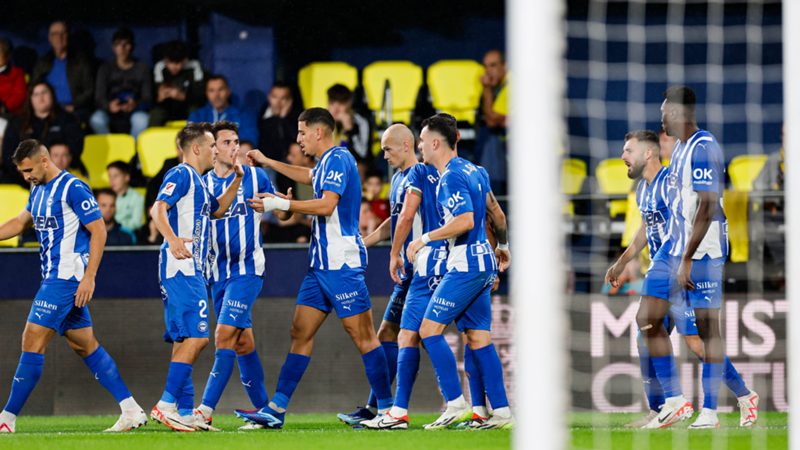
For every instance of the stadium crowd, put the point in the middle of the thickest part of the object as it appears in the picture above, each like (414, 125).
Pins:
(66, 96)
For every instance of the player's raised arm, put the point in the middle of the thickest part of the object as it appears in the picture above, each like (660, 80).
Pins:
(16, 226)
(500, 228)
(96, 245)
(637, 244)
(405, 222)
(296, 173)
(383, 232)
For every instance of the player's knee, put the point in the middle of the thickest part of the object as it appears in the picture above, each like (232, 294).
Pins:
(299, 335)
(644, 321)
(388, 332)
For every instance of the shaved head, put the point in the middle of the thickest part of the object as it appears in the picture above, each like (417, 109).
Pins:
(398, 133)
(397, 143)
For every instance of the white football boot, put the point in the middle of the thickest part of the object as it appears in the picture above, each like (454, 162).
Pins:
(129, 421)
(203, 423)
(171, 418)
(748, 409)
(7, 426)
(386, 422)
(643, 421)
(252, 426)
(501, 418)
(706, 419)
(456, 412)
(672, 411)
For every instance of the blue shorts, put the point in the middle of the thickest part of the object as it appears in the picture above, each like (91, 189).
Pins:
(185, 307)
(343, 290)
(659, 281)
(54, 307)
(394, 310)
(707, 278)
(234, 298)
(463, 297)
(682, 318)
(417, 300)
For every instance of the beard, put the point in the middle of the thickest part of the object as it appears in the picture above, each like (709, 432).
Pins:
(636, 169)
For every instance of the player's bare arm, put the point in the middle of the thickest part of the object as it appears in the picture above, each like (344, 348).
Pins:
(498, 218)
(96, 245)
(383, 232)
(16, 226)
(637, 244)
(318, 207)
(463, 223)
(226, 199)
(296, 173)
(706, 210)
(405, 222)
(176, 244)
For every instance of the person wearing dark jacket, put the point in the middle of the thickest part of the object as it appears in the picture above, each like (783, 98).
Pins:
(43, 119)
(180, 85)
(69, 73)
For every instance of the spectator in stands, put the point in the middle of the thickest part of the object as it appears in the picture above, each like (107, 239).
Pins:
(352, 130)
(62, 158)
(244, 147)
(124, 90)
(43, 119)
(277, 124)
(130, 204)
(116, 233)
(374, 192)
(667, 143)
(148, 234)
(298, 227)
(180, 85)
(771, 176)
(155, 183)
(219, 107)
(69, 73)
(491, 146)
(367, 220)
(13, 88)
(297, 157)
(768, 220)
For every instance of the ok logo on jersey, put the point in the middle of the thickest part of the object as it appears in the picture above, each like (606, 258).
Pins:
(701, 174)
(454, 200)
(45, 223)
(653, 219)
(88, 204)
(334, 176)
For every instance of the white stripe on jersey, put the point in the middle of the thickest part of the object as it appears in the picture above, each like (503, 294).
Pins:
(258, 251)
(50, 236)
(185, 229)
(67, 264)
(214, 267)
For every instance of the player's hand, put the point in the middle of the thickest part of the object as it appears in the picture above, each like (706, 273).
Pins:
(85, 291)
(257, 158)
(415, 246)
(237, 166)
(486, 80)
(178, 248)
(613, 273)
(503, 259)
(684, 275)
(496, 284)
(395, 265)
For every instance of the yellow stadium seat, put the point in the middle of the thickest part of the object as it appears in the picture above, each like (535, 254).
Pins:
(573, 174)
(633, 219)
(13, 199)
(744, 170)
(455, 87)
(612, 176)
(665, 162)
(175, 124)
(735, 204)
(405, 79)
(315, 79)
(101, 150)
(157, 145)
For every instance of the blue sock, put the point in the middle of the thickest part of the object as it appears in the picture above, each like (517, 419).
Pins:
(176, 379)
(476, 388)
(291, 374)
(712, 380)
(219, 376)
(488, 362)
(378, 376)
(252, 376)
(667, 374)
(28, 373)
(391, 351)
(186, 399)
(733, 381)
(105, 371)
(407, 368)
(444, 363)
(652, 388)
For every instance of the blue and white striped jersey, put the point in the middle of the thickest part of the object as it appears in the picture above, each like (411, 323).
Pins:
(397, 197)
(235, 247)
(336, 242)
(462, 188)
(431, 259)
(60, 210)
(653, 202)
(190, 207)
(697, 165)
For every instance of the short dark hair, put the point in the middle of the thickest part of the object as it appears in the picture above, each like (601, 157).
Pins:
(246, 142)
(224, 125)
(192, 132)
(373, 172)
(104, 191)
(648, 137)
(8, 47)
(218, 77)
(280, 84)
(444, 124)
(26, 149)
(123, 34)
(317, 116)
(57, 141)
(681, 95)
(339, 93)
(176, 51)
(122, 166)
(499, 52)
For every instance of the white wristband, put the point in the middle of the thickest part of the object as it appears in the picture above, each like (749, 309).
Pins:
(273, 203)
(426, 238)
(502, 246)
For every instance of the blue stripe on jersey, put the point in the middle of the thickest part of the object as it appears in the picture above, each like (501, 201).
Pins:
(654, 208)
(336, 242)
(432, 259)
(235, 246)
(60, 211)
(397, 197)
(190, 207)
(697, 165)
(463, 188)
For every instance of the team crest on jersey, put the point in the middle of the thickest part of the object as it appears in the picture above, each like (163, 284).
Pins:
(169, 188)
(202, 326)
(50, 201)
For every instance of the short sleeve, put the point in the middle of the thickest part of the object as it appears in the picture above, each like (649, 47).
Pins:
(174, 186)
(415, 179)
(83, 203)
(264, 183)
(707, 169)
(337, 173)
(486, 182)
(29, 205)
(456, 194)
